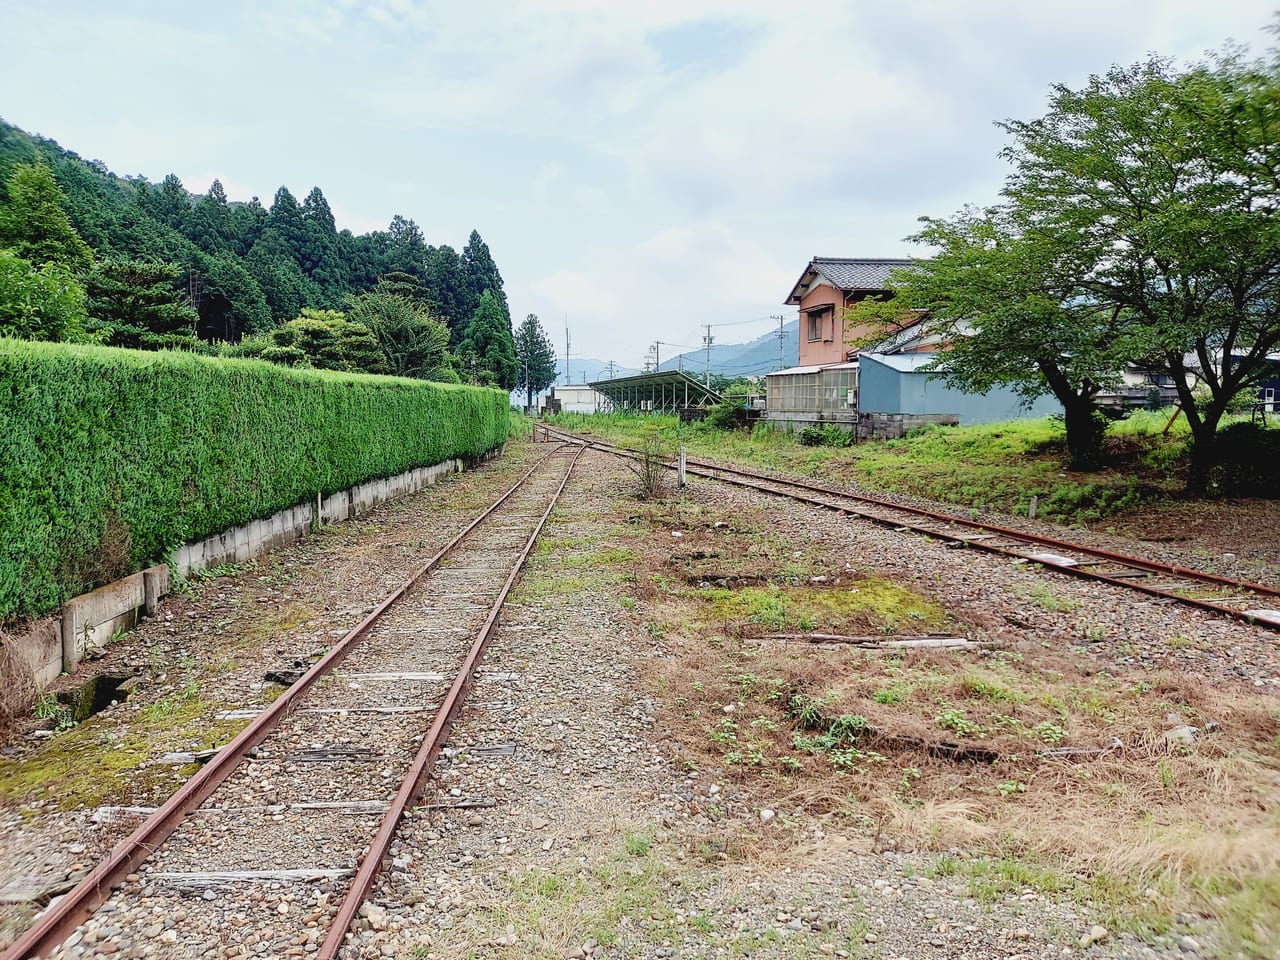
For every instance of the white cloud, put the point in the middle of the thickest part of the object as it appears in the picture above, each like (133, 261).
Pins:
(642, 166)
(619, 299)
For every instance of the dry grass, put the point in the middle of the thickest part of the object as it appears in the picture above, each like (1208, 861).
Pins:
(1197, 822)
(17, 687)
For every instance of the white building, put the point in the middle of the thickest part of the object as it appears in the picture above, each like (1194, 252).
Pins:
(576, 398)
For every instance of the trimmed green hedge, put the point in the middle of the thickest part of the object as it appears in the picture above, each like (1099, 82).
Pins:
(110, 458)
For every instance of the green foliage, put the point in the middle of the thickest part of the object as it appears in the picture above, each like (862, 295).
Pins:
(244, 269)
(955, 721)
(1247, 457)
(231, 302)
(487, 351)
(323, 339)
(134, 303)
(826, 436)
(113, 457)
(1137, 225)
(729, 414)
(535, 357)
(1161, 184)
(412, 343)
(45, 303)
(34, 224)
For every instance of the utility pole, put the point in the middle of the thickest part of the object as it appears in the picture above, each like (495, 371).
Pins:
(567, 379)
(782, 341)
(611, 366)
(706, 342)
(657, 359)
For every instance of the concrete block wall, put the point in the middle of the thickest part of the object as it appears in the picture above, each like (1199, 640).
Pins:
(88, 622)
(794, 421)
(893, 426)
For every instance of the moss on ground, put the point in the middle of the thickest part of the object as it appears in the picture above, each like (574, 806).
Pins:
(102, 762)
(869, 602)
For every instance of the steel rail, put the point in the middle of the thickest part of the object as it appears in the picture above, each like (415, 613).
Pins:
(415, 779)
(759, 481)
(60, 920)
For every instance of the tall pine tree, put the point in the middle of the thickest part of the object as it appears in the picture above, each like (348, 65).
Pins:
(535, 358)
(487, 350)
(34, 224)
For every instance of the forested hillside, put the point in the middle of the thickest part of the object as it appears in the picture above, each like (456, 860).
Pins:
(88, 255)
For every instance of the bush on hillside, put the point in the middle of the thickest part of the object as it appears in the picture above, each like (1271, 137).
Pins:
(112, 457)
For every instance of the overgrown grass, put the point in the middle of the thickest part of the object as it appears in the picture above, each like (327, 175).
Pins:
(1001, 466)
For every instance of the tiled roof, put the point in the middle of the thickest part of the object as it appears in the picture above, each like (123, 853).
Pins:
(849, 274)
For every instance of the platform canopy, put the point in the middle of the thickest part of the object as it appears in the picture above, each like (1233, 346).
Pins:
(666, 391)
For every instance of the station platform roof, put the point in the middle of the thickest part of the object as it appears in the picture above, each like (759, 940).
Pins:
(666, 391)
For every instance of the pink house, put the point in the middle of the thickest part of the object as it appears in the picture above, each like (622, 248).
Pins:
(827, 286)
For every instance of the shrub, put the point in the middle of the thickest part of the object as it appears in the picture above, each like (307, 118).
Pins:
(727, 415)
(113, 457)
(1248, 461)
(41, 303)
(829, 435)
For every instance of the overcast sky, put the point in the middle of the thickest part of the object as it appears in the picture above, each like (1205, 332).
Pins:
(641, 168)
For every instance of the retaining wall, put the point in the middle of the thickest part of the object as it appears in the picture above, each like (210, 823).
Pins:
(893, 426)
(57, 644)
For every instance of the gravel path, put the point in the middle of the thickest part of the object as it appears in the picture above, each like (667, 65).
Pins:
(564, 826)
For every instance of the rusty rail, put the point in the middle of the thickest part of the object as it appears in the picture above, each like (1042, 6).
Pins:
(60, 920)
(411, 789)
(857, 504)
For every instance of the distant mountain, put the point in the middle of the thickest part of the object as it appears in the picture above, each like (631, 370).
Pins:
(753, 359)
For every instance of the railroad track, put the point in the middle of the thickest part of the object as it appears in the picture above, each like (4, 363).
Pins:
(1251, 602)
(275, 844)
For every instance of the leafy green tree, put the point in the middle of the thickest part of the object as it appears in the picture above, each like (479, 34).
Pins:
(1138, 224)
(535, 359)
(169, 203)
(286, 289)
(285, 219)
(480, 273)
(34, 224)
(41, 303)
(247, 223)
(407, 248)
(230, 301)
(324, 339)
(399, 284)
(488, 347)
(1166, 185)
(411, 341)
(134, 303)
(1008, 301)
(209, 224)
(319, 254)
(238, 257)
(447, 285)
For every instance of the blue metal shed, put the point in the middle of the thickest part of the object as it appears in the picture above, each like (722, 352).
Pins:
(895, 383)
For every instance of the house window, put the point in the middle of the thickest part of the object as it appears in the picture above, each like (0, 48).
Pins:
(817, 326)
